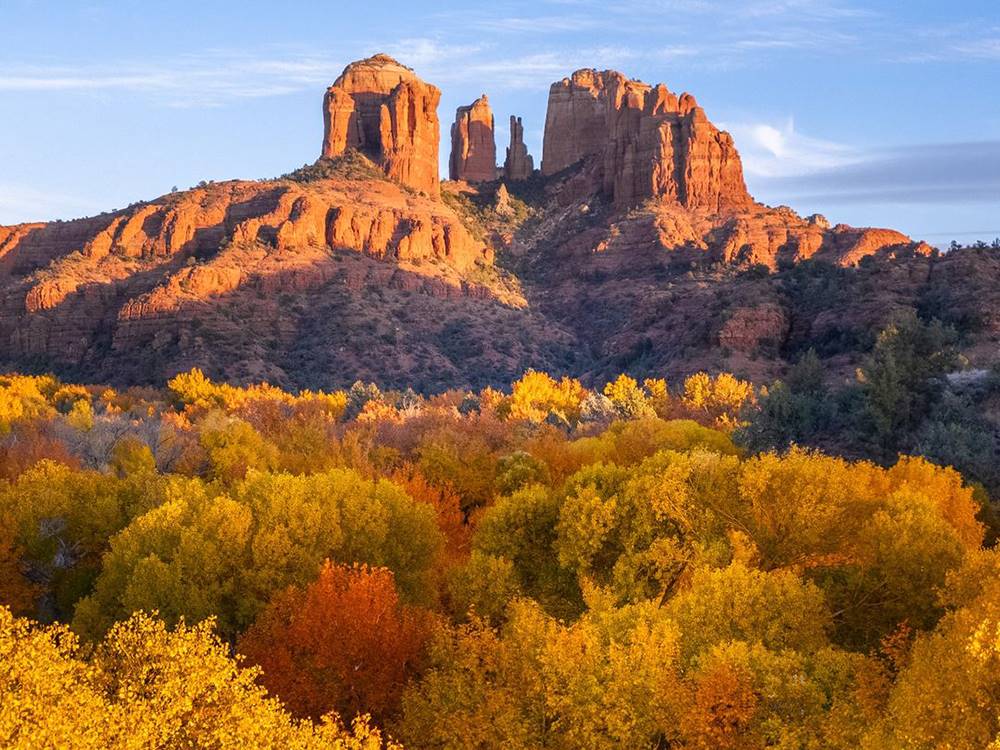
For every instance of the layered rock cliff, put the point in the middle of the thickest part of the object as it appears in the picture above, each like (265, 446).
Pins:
(236, 277)
(473, 145)
(641, 142)
(639, 250)
(518, 165)
(382, 109)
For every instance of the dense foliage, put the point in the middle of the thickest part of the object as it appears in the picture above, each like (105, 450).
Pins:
(550, 566)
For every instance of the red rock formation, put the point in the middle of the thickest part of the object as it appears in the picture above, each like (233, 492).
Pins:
(340, 274)
(850, 244)
(765, 236)
(382, 109)
(89, 263)
(518, 165)
(576, 121)
(642, 141)
(473, 147)
(760, 235)
(372, 217)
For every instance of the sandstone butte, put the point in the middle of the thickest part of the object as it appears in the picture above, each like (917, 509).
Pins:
(642, 142)
(473, 146)
(381, 108)
(355, 267)
(518, 165)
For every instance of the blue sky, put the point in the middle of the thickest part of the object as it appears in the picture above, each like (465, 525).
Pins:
(873, 113)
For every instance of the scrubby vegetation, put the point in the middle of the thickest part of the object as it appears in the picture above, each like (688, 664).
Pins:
(911, 395)
(351, 165)
(548, 565)
(487, 212)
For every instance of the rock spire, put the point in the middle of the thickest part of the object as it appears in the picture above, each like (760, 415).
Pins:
(473, 146)
(518, 164)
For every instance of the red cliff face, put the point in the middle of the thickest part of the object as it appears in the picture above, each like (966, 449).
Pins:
(382, 109)
(642, 142)
(576, 121)
(473, 146)
(141, 275)
(518, 165)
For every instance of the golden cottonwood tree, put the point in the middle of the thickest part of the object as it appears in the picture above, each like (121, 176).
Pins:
(537, 395)
(537, 683)
(949, 693)
(146, 686)
(206, 551)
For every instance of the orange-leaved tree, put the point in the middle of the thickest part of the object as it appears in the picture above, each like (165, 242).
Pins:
(16, 591)
(344, 643)
(447, 509)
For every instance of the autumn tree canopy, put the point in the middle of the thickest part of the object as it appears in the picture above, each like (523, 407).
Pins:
(551, 565)
(343, 643)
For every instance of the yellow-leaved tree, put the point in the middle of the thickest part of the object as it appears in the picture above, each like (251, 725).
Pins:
(206, 552)
(948, 693)
(146, 686)
(537, 395)
(721, 398)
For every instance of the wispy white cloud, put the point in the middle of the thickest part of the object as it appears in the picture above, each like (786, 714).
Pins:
(676, 51)
(721, 33)
(798, 9)
(733, 11)
(955, 42)
(773, 150)
(786, 166)
(205, 79)
(537, 24)
(423, 53)
(791, 38)
(503, 70)
(983, 49)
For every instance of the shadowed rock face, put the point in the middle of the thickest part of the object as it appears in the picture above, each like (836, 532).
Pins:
(382, 109)
(518, 165)
(641, 142)
(473, 146)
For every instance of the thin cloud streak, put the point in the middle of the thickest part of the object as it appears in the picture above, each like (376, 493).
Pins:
(983, 49)
(961, 42)
(736, 10)
(536, 24)
(189, 81)
(936, 173)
